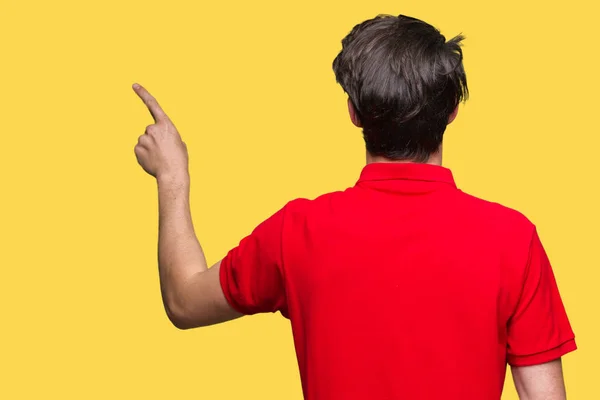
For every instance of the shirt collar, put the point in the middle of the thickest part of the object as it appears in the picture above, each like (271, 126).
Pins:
(406, 171)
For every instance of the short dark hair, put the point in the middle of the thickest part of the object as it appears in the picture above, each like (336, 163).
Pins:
(404, 80)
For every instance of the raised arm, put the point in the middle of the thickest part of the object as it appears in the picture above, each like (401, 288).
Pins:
(191, 291)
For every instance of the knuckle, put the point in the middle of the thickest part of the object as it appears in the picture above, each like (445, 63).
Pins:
(144, 140)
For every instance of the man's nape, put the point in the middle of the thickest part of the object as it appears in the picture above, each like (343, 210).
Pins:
(435, 158)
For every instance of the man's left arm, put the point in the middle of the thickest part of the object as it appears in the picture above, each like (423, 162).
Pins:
(191, 291)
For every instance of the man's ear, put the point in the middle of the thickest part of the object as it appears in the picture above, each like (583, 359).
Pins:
(353, 114)
(452, 116)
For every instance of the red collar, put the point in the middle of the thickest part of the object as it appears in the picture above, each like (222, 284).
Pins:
(406, 171)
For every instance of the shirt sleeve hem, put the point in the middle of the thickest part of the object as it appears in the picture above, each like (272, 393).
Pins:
(227, 293)
(543, 357)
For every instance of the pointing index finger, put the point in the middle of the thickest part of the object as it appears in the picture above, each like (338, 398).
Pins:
(157, 112)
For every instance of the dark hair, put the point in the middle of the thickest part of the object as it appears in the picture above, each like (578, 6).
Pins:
(404, 80)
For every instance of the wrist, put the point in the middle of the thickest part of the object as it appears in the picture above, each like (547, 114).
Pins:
(181, 179)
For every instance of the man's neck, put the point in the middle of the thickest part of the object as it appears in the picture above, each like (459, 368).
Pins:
(434, 159)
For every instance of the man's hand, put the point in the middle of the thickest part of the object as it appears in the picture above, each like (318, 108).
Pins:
(160, 150)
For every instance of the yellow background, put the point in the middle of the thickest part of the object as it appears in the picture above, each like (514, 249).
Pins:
(250, 87)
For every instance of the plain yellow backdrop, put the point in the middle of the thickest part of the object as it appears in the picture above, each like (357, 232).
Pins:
(250, 87)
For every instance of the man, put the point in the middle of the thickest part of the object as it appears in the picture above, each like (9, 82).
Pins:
(401, 287)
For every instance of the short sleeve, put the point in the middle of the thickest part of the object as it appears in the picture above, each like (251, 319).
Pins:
(251, 273)
(539, 330)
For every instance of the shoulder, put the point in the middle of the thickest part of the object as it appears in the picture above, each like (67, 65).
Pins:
(497, 218)
(496, 210)
(318, 213)
(323, 203)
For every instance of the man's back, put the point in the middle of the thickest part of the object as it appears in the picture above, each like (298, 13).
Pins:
(403, 287)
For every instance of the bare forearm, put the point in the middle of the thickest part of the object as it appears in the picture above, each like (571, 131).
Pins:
(180, 255)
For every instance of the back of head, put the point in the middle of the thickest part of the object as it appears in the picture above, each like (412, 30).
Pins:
(405, 81)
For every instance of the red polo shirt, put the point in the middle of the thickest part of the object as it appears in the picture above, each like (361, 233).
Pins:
(403, 287)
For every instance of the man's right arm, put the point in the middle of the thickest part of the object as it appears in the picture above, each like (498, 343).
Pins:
(539, 332)
(540, 382)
